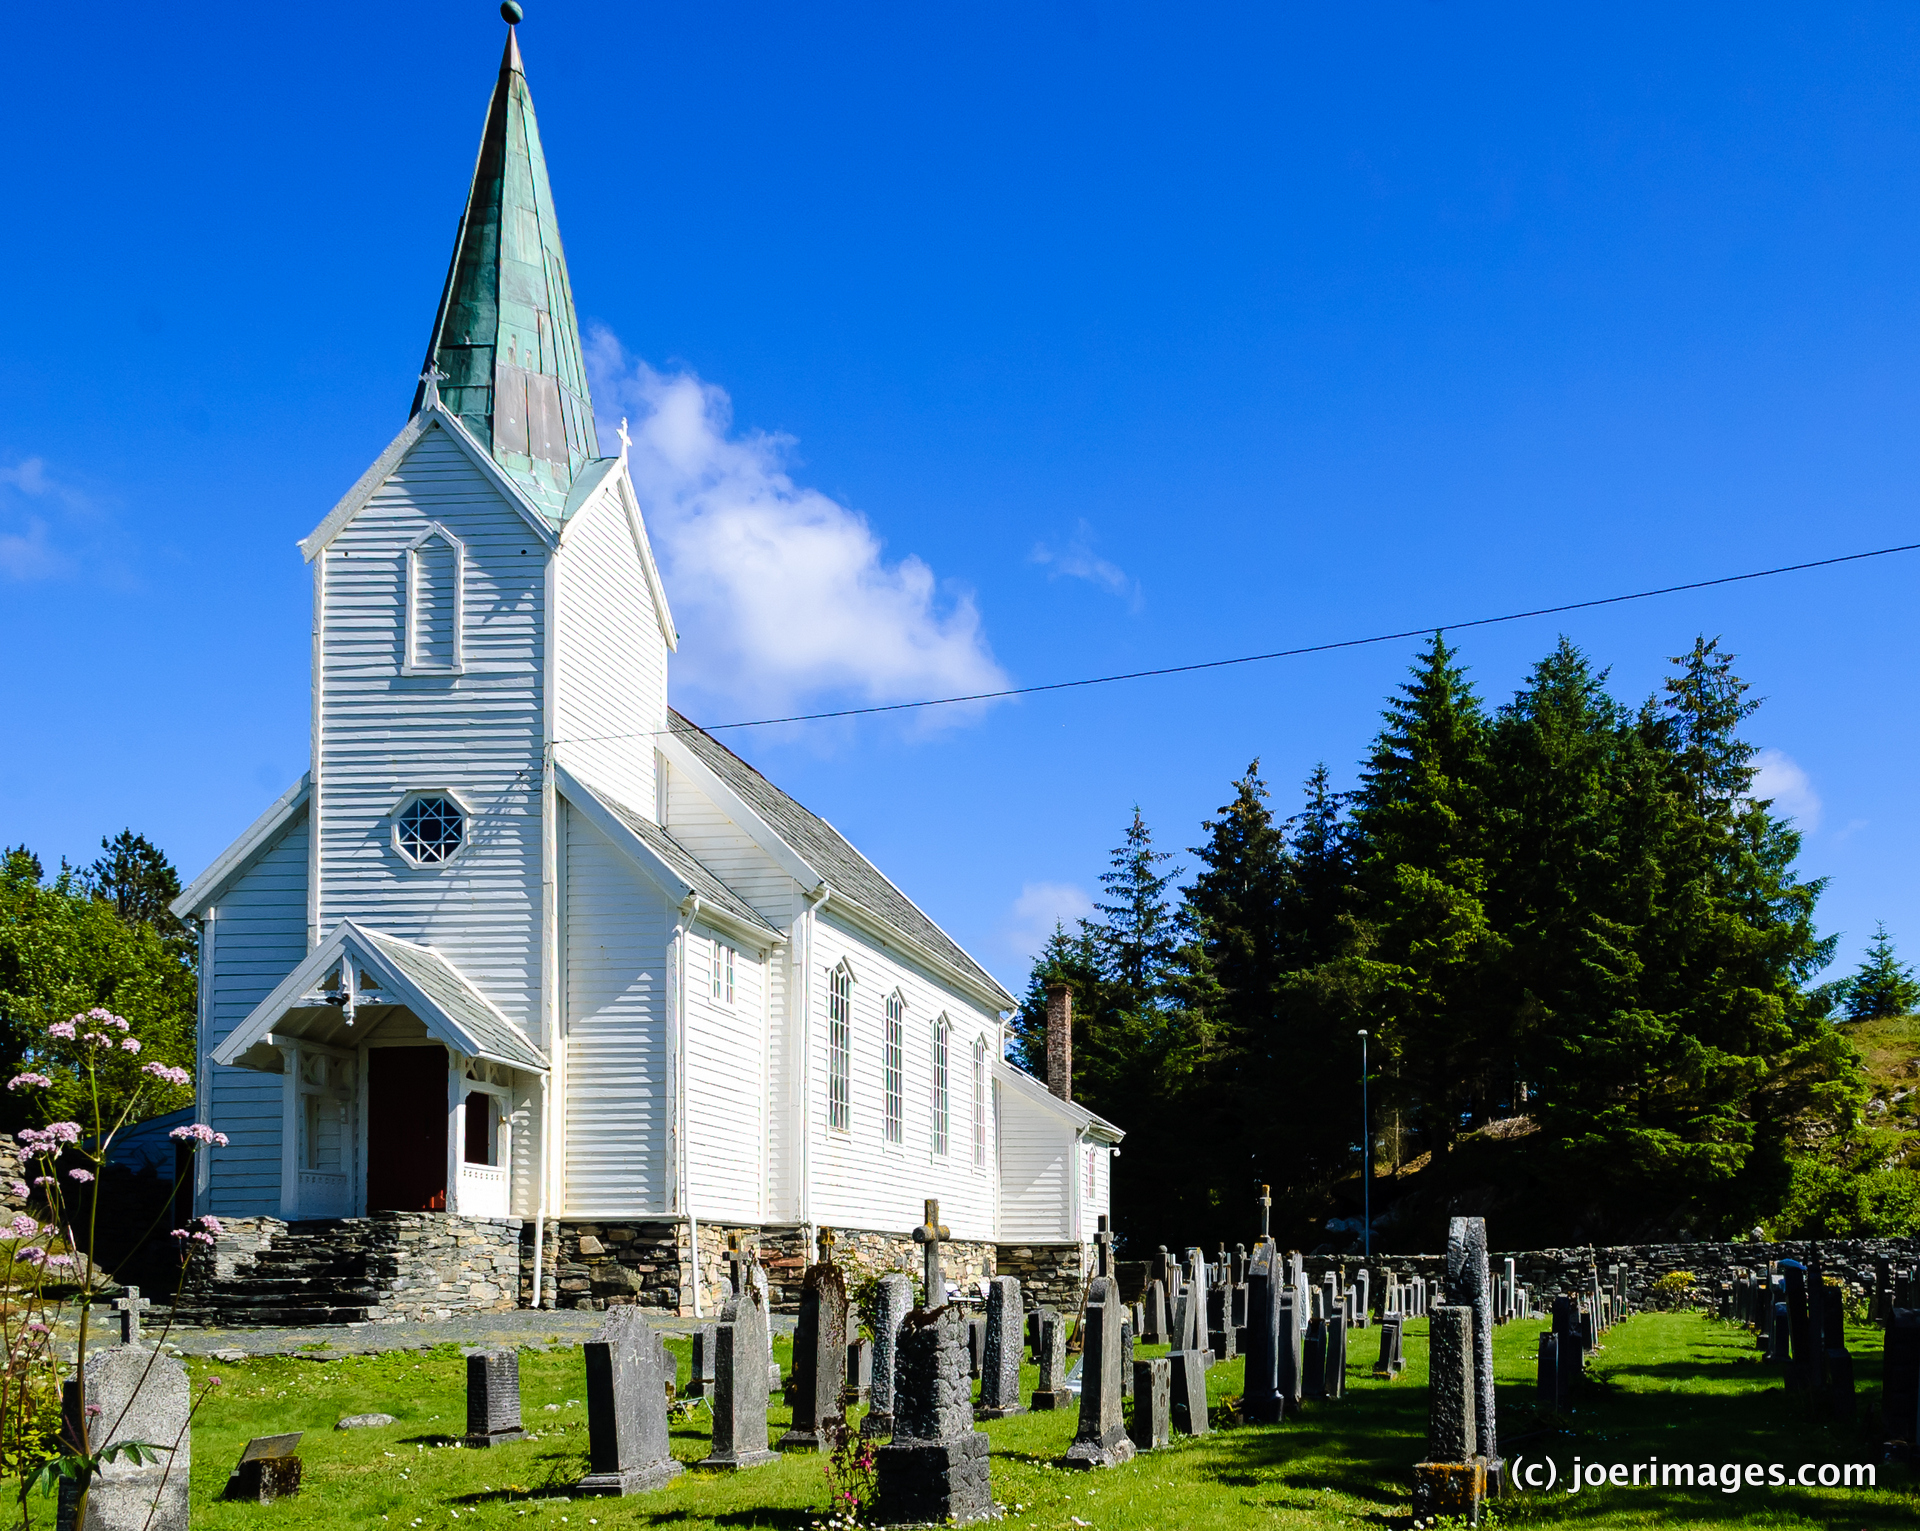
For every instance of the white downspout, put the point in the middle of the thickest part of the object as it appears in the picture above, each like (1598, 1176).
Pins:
(689, 912)
(540, 1199)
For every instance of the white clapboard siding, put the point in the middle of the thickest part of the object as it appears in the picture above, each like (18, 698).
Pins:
(858, 1180)
(728, 851)
(259, 936)
(1102, 1203)
(477, 733)
(1036, 1158)
(726, 1083)
(618, 944)
(610, 685)
(433, 603)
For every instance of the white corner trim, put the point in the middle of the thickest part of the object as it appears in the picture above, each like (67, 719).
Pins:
(432, 417)
(234, 859)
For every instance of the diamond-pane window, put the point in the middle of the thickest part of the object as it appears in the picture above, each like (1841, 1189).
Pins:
(431, 829)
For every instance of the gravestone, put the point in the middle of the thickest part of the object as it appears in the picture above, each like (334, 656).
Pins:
(891, 1306)
(1188, 1329)
(1220, 1335)
(934, 1470)
(1452, 1479)
(1363, 1299)
(745, 1270)
(859, 1385)
(1126, 1358)
(1900, 1375)
(131, 1306)
(1188, 1392)
(1101, 1440)
(1336, 1356)
(1154, 1328)
(1468, 1283)
(976, 1346)
(1801, 1350)
(628, 1371)
(493, 1398)
(1292, 1370)
(1238, 1268)
(1152, 1403)
(1313, 1360)
(1393, 1358)
(700, 1382)
(1552, 1378)
(819, 1357)
(740, 1391)
(1265, 1403)
(140, 1396)
(1000, 1367)
(1052, 1392)
(267, 1470)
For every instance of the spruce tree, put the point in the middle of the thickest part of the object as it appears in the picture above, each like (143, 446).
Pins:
(1884, 986)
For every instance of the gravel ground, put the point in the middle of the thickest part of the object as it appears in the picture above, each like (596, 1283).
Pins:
(559, 1326)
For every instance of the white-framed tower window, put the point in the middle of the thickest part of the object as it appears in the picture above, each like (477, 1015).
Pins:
(1092, 1182)
(723, 960)
(979, 1102)
(893, 1068)
(430, 828)
(436, 603)
(942, 1037)
(839, 1049)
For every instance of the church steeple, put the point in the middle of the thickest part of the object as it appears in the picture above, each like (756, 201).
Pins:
(506, 337)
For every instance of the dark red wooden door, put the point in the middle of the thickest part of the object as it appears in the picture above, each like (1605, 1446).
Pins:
(406, 1129)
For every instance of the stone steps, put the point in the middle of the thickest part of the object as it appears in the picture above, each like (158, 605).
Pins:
(312, 1273)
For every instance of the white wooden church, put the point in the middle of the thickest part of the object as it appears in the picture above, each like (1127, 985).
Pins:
(523, 941)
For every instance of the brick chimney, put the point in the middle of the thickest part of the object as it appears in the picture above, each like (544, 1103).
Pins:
(1060, 1040)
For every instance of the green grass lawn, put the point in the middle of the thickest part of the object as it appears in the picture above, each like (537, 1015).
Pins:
(1677, 1387)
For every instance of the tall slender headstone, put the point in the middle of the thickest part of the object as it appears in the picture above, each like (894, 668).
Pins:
(139, 1396)
(1052, 1393)
(1452, 1479)
(1220, 1331)
(935, 1469)
(1313, 1360)
(1292, 1369)
(493, 1398)
(628, 1370)
(1152, 1404)
(1102, 1438)
(1468, 1281)
(1336, 1356)
(739, 1395)
(1363, 1298)
(891, 1305)
(1000, 1370)
(700, 1379)
(819, 1357)
(1392, 1346)
(1264, 1401)
(1154, 1329)
(1188, 1397)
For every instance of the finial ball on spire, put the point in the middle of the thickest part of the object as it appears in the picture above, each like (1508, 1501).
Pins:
(511, 13)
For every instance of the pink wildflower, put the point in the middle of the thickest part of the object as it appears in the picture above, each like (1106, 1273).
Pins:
(45, 1180)
(34, 1079)
(83, 1176)
(94, 1411)
(167, 1075)
(129, 1044)
(62, 1261)
(199, 1132)
(23, 1227)
(36, 1327)
(212, 1224)
(63, 1030)
(33, 1254)
(20, 1190)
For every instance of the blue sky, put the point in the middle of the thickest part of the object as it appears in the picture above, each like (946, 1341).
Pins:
(1048, 340)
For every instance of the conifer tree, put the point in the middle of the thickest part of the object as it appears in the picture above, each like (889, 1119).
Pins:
(1884, 986)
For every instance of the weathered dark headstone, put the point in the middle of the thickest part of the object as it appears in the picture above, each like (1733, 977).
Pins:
(1393, 1359)
(859, 1372)
(1336, 1357)
(1264, 1401)
(1220, 1335)
(628, 1372)
(268, 1470)
(935, 1469)
(976, 1346)
(1000, 1365)
(1803, 1351)
(891, 1306)
(1152, 1404)
(1469, 1282)
(1292, 1369)
(740, 1384)
(1126, 1358)
(1452, 1479)
(1052, 1392)
(1188, 1396)
(1313, 1360)
(493, 1398)
(140, 1396)
(1101, 1440)
(1900, 1375)
(700, 1381)
(819, 1362)
(1551, 1378)
(1154, 1330)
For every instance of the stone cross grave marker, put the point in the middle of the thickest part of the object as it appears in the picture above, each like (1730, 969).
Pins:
(935, 1469)
(1101, 1440)
(1265, 1402)
(628, 1370)
(894, 1302)
(819, 1361)
(740, 1383)
(705, 1339)
(929, 1236)
(1103, 1249)
(1452, 1479)
(141, 1397)
(493, 1398)
(1000, 1368)
(267, 1470)
(1266, 1212)
(131, 1307)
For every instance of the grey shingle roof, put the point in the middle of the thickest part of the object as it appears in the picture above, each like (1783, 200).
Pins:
(848, 873)
(436, 978)
(687, 866)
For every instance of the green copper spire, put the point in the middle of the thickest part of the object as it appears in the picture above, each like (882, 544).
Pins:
(506, 338)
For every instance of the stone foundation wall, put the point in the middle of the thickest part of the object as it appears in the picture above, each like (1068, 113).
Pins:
(233, 1251)
(1051, 1275)
(1551, 1272)
(429, 1265)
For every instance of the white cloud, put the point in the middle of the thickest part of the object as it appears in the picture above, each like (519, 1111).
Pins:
(1041, 906)
(1077, 560)
(28, 546)
(1780, 777)
(782, 594)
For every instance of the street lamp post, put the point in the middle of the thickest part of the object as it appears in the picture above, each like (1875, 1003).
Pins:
(1366, 1158)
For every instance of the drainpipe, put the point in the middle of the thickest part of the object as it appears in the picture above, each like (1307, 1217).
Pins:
(689, 912)
(540, 1201)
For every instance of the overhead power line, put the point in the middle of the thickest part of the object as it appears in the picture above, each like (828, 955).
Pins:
(1293, 653)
